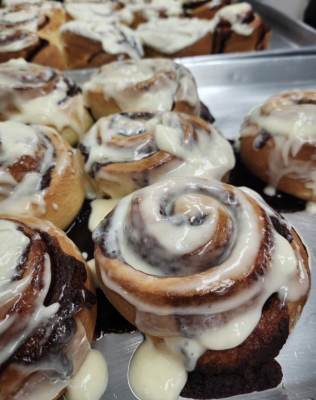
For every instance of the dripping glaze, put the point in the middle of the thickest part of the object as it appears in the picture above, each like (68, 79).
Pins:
(158, 208)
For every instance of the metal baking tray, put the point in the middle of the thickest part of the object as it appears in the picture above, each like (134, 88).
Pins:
(231, 88)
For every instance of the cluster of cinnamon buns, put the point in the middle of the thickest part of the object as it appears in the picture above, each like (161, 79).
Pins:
(90, 33)
(212, 275)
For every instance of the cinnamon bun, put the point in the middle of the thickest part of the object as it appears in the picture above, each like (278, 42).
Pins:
(92, 44)
(149, 84)
(41, 22)
(33, 94)
(236, 28)
(175, 37)
(215, 279)
(47, 309)
(39, 175)
(124, 152)
(278, 143)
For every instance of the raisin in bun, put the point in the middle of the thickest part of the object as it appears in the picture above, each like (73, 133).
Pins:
(48, 305)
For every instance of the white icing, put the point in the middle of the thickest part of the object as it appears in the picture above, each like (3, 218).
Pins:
(311, 207)
(52, 109)
(233, 14)
(100, 208)
(156, 373)
(172, 34)
(15, 2)
(91, 264)
(91, 380)
(98, 12)
(207, 156)
(118, 79)
(115, 38)
(291, 125)
(269, 190)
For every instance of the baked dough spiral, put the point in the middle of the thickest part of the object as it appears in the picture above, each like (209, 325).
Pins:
(149, 84)
(278, 142)
(194, 263)
(92, 44)
(47, 310)
(124, 152)
(39, 174)
(33, 94)
(41, 20)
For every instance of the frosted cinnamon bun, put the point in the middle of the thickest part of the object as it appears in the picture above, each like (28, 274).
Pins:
(33, 94)
(124, 152)
(175, 37)
(236, 28)
(204, 9)
(40, 24)
(150, 84)
(39, 175)
(47, 310)
(92, 44)
(215, 279)
(278, 143)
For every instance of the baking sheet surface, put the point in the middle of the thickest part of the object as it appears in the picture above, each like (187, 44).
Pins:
(231, 88)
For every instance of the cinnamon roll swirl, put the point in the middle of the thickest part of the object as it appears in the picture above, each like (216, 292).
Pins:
(92, 44)
(278, 143)
(175, 37)
(236, 28)
(39, 174)
(33, 94)
(47, 309)
(215, 279)
(150, 84)
(124, 152)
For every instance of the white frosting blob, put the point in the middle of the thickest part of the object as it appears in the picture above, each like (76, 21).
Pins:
(100, 208)
(172, 34)
(90, 382)
(156, 374)
(232, 14)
